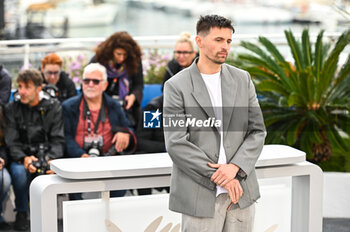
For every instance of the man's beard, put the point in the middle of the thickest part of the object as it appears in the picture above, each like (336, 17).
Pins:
(216, 61)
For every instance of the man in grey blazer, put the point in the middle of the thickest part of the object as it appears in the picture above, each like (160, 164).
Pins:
(214, 133)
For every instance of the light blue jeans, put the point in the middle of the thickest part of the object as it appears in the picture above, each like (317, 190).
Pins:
(5, 183)
(233, 220)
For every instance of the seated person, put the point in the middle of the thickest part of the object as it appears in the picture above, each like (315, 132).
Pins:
(5, 178)
(184, 54)
(5, 85)
(51, 66)
(95, 123)
(34, 136)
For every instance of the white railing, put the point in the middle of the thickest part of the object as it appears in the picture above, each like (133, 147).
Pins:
(26, 47)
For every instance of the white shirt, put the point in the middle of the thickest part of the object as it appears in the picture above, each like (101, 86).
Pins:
(213, 83)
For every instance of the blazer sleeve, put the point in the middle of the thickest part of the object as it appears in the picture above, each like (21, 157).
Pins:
(185, 155)
(250, 150)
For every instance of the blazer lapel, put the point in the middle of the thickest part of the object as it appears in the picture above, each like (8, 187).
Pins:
(200, 92)
(229, 90)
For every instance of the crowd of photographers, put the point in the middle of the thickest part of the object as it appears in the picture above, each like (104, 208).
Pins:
(48, 119)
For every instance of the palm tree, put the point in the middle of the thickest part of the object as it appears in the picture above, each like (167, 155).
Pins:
(306, 103)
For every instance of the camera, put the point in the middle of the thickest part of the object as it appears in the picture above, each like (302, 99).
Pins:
(42, 165)
(113, 91)
(51, 90)
(93, 145)
(119, 100)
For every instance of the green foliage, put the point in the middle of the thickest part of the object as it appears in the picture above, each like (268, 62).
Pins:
(340, 160)
(306, 103)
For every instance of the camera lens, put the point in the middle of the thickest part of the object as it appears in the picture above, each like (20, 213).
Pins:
(94, 152)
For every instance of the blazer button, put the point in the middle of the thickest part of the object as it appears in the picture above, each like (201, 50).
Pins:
(216, 155)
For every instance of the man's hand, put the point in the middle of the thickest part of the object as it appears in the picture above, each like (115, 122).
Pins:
(49, 171)
(85, 155)
(224, 173)
(28, 163)
(130, 99)
(121, 141)
(234, 190)
(2, 163)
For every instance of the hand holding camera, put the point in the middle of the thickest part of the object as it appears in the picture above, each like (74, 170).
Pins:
(28, 163)
(40, 162)
(93, 145)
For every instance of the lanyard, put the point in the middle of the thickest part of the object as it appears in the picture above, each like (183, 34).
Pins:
(87, 113)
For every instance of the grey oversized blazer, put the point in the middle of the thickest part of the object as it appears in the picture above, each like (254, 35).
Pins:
(191, 148)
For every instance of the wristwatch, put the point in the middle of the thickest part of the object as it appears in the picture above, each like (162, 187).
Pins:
(241, 175)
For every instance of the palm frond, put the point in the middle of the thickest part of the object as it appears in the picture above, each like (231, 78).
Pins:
(295, 50)
(306, 48)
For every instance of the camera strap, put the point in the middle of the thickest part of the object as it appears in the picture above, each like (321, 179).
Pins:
(87, 114)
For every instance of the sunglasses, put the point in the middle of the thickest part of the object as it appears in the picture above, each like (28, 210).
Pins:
(86, 81)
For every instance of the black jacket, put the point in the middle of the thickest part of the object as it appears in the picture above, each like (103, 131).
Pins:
(27, 127)
(66, 87)
(5, 85)
(172, 68)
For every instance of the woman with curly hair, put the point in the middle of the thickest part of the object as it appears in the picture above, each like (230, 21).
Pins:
(121, 56)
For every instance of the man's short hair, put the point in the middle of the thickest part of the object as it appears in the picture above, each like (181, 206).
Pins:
(205, 23)
(96, 67)
(32, 75)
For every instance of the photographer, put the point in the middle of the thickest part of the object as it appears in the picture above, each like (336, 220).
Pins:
(52, 74)
(95, 124)
(34, 135)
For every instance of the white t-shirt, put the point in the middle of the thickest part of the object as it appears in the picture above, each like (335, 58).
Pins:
(213, 83)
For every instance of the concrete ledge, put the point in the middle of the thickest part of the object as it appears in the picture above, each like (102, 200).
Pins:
(336, 201)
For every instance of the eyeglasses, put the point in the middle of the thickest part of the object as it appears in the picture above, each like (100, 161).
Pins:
(182, 52)
(86, 81)
(49, 73)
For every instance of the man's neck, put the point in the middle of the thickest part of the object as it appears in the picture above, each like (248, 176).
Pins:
(206, 66)
(35, 102)
(94, 103)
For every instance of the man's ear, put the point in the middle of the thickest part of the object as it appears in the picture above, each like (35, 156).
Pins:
(199, 40)
(39, 88)
(105, 85)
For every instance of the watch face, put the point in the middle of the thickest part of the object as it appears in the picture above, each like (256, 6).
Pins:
(241, 174)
